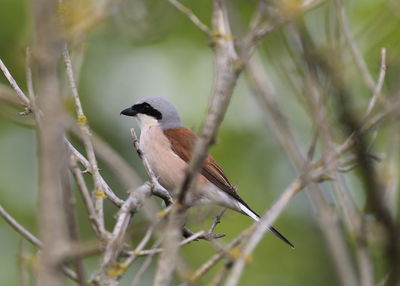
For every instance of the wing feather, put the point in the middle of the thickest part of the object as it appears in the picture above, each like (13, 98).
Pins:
(182, 143)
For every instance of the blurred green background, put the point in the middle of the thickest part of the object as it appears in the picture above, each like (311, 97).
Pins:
(145, 48)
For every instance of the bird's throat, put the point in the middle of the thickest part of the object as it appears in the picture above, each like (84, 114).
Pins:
(146, 121)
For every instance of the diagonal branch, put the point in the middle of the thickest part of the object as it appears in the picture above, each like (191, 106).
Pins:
(115, 243)
(192, 17)
(22, 97)
(19, 228)
(86, 138)
(226, 75)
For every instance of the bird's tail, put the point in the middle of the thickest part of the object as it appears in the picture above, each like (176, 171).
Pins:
(246, 210)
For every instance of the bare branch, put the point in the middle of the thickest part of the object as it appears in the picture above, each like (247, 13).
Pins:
(144, 267)
(355, 52)
(72, 223)
(97, 227)
(192, 17)
(50, 140)
(216, 220)
(108, 192)
(22, 97)
(262, 227)
(153, 251)
(86, 138)
(85, 163)
(30, 237)
(76, 251)
(226, 74)
(19, 228)
(219, 255)
(29, 81)
(377, 90)
(134, 254)
(115, 243)
(259, 29)
(126, 174)
(331, 231)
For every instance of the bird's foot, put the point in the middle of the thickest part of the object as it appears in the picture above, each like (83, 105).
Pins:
(207, 236)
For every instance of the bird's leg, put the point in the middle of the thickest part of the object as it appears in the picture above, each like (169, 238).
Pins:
(186, 233)
(209, 235)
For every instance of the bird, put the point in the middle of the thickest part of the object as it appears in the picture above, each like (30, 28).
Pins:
(167, 144)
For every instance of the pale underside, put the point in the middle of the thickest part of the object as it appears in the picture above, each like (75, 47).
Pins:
(169, 167)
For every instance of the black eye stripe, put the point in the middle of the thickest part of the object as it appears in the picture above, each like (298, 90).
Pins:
(145, 108)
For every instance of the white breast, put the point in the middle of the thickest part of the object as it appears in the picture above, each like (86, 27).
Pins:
(156, 147)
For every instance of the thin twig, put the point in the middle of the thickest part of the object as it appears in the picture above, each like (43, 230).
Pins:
(108, 192)
(355, 51)
(192, 17)
(188, 240)
(216, 220)
(377, 90)
(29, 81)
(30, 237)
(83, 189)
(115, 243)
(259, 30)
(72, 224)
(22, 97)
(85, 163)
(19, 228)
(331, 230)
(354, 221)
(132, 256)
(352, 126)
(81, 250)
(145, 265)
(222, 274)
(125, 173)
(202, 270)
(86, 138)
(262, 226)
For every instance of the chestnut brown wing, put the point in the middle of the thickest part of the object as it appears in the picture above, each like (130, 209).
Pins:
(182, 143)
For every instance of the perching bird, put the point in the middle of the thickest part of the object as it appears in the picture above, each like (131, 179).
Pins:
(167, 145)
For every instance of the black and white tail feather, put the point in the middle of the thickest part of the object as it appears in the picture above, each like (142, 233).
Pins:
(246, 210)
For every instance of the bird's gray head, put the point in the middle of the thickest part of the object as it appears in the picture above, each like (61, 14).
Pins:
(158, 108)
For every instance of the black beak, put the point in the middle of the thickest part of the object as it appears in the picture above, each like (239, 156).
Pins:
(129, 112)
